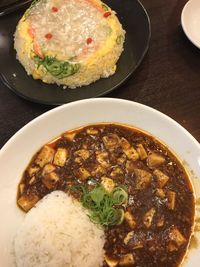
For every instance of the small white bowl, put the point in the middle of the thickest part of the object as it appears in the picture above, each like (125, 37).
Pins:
(190, 20)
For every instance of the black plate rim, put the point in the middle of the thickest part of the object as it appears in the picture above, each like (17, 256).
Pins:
(6, 83)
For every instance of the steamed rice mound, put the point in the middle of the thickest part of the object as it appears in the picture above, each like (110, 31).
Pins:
(71, 43)
(58, 233)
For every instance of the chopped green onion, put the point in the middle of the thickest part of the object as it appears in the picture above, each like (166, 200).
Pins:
(120, 39)
(57, 68)
(102, 204)
(105, 7)
(120, 196)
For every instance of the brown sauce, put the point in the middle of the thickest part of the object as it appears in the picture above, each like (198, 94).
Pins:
(159, 215)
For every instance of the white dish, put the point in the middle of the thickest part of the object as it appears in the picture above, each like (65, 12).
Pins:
(190, 20)
(16, 154)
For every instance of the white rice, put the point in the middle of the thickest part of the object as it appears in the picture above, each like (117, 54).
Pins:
(58, 233)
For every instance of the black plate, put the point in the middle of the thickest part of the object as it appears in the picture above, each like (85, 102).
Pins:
(135, 21)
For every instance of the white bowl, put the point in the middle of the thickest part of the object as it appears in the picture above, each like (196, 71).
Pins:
(190, 20)
(18, 151)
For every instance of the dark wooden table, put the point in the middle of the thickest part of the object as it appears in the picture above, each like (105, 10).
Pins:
(168, 78)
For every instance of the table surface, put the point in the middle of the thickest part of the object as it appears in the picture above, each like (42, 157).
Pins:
(168, 78)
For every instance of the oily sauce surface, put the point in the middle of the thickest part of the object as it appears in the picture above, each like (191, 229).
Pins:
(159, 213)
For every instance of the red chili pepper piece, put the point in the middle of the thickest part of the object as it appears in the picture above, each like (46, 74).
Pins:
(48, 35)
(89, 40)
(54, 9)
(107, 14)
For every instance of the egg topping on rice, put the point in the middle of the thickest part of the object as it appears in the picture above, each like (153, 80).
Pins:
(69, 42)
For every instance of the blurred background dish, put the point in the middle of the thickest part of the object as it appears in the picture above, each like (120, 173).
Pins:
(190, 20)
(135, 21)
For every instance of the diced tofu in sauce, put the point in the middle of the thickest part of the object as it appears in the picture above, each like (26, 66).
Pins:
(141, 151)
(83, 174)
(131, 153)
(128, 150)
(98, 170)
(111, 262)
(126, 260)
(83, 153)
(154, 160)
(33, 170)
(124, 143)
(116, 172)
(143, 179)
(121, 159)
(70, 135)
(50, 180)
(32, 180)
(102, 158)
(111, 141)
(26, 202)
(162, 178)
(45, 156)
(129, 218)
(48, 168)
(128, 237)
(148, 217)
(171, 199)
(60, 157)
(176, 239)
(130, 166)
(107, 183)
(160, 193)
(92, 131)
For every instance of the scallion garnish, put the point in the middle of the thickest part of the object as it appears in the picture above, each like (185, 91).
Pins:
(103, 206)
(57, 68)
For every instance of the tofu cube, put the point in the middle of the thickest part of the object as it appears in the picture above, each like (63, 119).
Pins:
(126, 260)
(148, 217)
(141, 151)
(33, 170)
(48, 168)
(70, 135)
(128, 237)
(102, 158)
(45, 156)
(129, 218)
(111, 262)
(107, 183)
(143, 179)
(116, 172)
(83, 174)
(26, 202)
(83, 153)
(111, 141)
(176, 239)
(131, 153)
(154, 160)
(160, 193)
(50, 180)
(124, 143)
(162, 178)
(171, 198)
(91, 131)
(60, 156)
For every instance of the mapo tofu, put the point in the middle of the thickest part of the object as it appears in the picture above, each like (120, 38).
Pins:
(158, 216)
